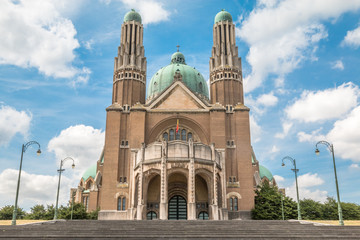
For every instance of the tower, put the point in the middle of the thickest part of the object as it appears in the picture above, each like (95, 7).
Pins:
(130, 64)
(226, 85)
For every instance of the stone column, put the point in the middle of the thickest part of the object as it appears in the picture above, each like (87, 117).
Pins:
(191, 183)
(140, 205)
(163, 183)
(214, 206)
(132, 185)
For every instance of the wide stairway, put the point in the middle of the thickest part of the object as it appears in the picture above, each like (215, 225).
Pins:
(245, 229)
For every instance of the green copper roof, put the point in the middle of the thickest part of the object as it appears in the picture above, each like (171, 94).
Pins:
(264, 172)
(132, 16)
(223, 16)
(90, 172)
(165, 77)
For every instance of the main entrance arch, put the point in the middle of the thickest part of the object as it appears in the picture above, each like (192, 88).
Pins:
(177, 208)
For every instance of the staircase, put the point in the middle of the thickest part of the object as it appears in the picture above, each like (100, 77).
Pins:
(236, 229)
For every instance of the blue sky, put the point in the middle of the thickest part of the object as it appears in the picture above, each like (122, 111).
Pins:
(300, 66)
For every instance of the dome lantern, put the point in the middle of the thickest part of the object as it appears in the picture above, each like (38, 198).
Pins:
(132, 16)
(223, 16)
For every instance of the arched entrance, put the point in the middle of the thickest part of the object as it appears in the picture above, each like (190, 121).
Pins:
(177, 208)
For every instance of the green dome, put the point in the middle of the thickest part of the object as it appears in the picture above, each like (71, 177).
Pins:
(264, 172)
(132, 16)
(90, 172)
(223, 16)
(165, 77)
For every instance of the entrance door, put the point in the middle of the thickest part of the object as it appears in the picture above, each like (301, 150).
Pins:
(177, 208)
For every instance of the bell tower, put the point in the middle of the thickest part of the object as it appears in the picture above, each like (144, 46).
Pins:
(129, 80)
(226, 85)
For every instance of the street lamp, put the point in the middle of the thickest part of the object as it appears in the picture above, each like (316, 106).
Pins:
(24, 147)
(295, 170)
(331, 149)
(61, 170)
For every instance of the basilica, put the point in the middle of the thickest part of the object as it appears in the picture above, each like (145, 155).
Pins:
(179, 149)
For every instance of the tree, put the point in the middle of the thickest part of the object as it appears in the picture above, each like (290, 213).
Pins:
(268, 204)
(310, 209)
(79, 212)
(94, 214)
(329, 209)
(351, 211)
(6, 212)
(37, 212)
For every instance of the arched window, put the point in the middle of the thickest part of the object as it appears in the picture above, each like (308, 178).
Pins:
(121, 203)
(203, 216)
(151, 215)
(166, 136)
(183, 135)
(178, 135)
(200, 86)
(233, 204)
(171, 133)
(189, 135)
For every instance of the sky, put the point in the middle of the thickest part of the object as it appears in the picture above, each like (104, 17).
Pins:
(301, 74)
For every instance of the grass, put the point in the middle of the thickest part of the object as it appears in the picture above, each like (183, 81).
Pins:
(336, 222)
(20, 222)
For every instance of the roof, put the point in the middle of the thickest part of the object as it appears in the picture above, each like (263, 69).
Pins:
(264, 172)
(223, 16)
(90, 172)
(164, 77)
(132, 16)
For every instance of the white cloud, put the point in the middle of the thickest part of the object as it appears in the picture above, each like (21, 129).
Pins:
(314, 136)
(255, 130)
(13, 122)
(345, 136)
(151, 11)
(352, 38)
(274, 149)
(279, 179)
(355, 166)
(35, 34)
(283, 34)
(267, 100)
(324, 105)
(34, 189)
(338, 65)
(286, 128)
(306, 184)
(82, 143)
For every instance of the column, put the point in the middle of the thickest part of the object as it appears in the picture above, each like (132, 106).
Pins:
(140, 204)
(163, 183)
(191, 184)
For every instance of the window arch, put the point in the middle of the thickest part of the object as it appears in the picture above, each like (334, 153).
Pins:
(183, 135)
(177, 135)
(203, 216)
(121, 203)
(166, 136)
(190, 135)
(151, 215)
(234, 204)
(171, 134)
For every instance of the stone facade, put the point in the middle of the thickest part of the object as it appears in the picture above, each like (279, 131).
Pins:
(178, 155)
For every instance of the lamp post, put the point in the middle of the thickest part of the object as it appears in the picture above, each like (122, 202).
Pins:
(282, 206)
(295, 170)
(24, 147)
(61, 170)
(331, 149)
(72, 205)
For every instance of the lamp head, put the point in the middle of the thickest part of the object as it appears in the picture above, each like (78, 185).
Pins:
(283, 164)
(317, 152)
(38, 152)
(73, 165)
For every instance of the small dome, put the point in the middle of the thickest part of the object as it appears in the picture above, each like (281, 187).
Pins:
(132, 16)
(264, 172)
(164, 77)
(90, 172)
(223, 16)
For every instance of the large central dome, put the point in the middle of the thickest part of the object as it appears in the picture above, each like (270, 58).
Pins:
(165, 76)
